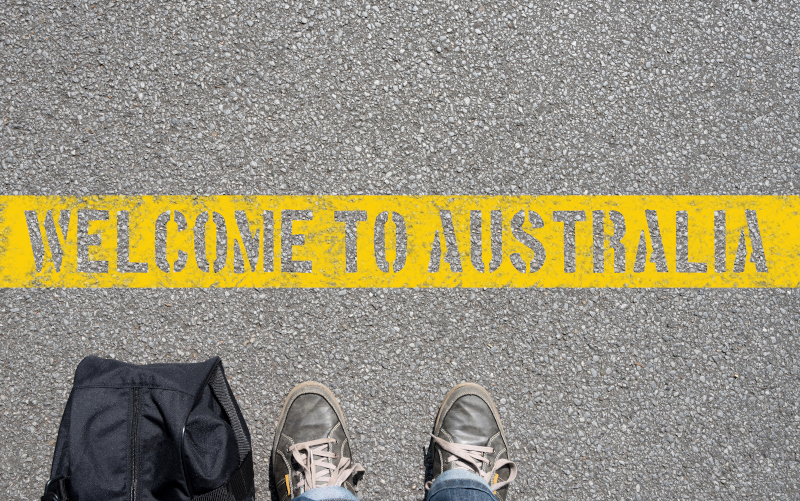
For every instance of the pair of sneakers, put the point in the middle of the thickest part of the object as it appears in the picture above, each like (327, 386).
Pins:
(312, 447)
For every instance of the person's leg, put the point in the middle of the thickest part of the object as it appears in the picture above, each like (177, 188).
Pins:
(460, 485)
(469, 447)
(311, 456)
(332, 493)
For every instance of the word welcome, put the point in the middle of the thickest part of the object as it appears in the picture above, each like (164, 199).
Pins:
(399, 241)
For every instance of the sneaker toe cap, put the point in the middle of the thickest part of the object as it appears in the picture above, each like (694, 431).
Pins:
(470, 420)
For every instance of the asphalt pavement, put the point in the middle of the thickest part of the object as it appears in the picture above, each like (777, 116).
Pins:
(623, 394)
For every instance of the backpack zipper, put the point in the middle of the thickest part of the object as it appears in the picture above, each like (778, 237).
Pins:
(136, 404)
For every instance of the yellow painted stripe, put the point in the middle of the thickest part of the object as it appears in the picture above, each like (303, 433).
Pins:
(774, 222)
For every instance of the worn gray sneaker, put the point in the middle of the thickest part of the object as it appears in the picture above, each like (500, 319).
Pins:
(311, 447)
(468, 435)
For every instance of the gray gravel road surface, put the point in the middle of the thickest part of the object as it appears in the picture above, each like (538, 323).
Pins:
(622, 394)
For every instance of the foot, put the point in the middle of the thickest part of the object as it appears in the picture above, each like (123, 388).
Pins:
(311, 447)
(468, 435)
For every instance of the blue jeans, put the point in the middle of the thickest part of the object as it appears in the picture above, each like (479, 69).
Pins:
(452, 485)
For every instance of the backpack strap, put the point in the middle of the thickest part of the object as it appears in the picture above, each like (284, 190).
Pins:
(237, 487)
(222, 392)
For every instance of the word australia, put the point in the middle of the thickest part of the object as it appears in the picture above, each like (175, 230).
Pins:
(385, 241)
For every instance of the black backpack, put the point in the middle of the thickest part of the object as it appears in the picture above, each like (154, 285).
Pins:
(160, 432)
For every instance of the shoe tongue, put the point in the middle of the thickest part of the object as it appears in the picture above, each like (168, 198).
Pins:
(470, 421)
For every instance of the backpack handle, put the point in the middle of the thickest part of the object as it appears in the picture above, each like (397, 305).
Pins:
(56, 489)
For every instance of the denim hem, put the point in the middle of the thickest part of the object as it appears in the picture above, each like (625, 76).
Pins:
(329, 493)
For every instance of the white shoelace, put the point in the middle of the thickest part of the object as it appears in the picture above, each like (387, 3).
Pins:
(472, 458)
(316, 459)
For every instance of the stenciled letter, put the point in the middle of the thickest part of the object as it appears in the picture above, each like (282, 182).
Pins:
(657, 256)
(526, 239)
(250, 242)
(615, 241)
(682, 263)
(289, 240)
(200, 242)
(161, 242)
(86, 240)
(53, 238)
(495, 237)
(452, 257)
(380, 241)
(569, 218)
(124, 264)
(350, 218)
(757, 256)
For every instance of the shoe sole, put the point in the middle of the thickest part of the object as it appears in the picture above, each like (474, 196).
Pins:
(478, 390)
(302, 389)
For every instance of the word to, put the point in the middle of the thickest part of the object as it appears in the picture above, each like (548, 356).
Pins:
(400, 241)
